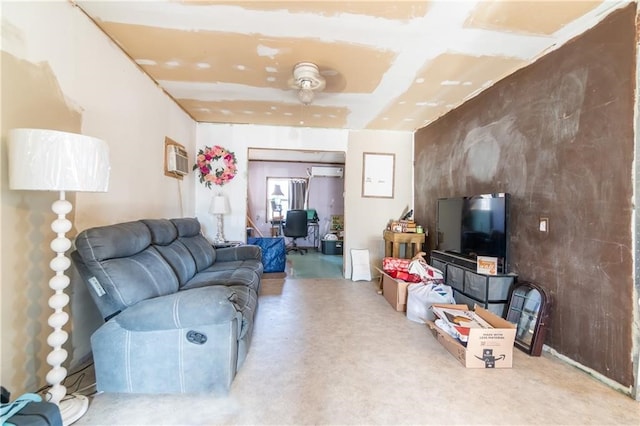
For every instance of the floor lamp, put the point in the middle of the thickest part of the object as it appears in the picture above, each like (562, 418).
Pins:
(219, 207)
(49, 160)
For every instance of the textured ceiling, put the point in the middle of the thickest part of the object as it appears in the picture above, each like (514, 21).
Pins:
(395, 65)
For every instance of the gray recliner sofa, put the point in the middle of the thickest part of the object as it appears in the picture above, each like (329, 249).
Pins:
(178, 313)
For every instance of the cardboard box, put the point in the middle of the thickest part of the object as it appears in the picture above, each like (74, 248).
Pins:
(395, 291)
(486, 348)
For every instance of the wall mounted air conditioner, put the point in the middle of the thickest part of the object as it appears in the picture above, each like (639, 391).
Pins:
(177, 160)
(326, 171)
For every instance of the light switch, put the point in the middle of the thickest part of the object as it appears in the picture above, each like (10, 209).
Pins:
(543, 224)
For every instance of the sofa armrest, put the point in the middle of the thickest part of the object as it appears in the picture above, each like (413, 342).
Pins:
(188, 308)
(245, 252)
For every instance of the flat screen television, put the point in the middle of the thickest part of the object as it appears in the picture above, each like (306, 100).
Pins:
(474, 226)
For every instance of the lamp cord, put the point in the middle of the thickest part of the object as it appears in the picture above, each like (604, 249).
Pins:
(180, 197)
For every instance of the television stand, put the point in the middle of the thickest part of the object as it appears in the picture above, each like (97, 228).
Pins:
(455, 258)
(471, 287)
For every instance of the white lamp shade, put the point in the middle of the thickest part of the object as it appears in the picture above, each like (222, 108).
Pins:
(51, 160)
(219, 205)
(277, 191)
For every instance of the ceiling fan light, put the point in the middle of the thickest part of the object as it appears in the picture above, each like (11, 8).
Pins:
(307, 80)
(306, 84)
(305, 96)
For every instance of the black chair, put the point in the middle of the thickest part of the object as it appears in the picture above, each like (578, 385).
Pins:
(295, 226)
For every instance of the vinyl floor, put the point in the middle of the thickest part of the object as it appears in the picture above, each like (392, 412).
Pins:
(333, 352)
(314, 264)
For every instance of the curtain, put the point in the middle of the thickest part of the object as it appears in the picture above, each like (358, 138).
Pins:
(297, 192)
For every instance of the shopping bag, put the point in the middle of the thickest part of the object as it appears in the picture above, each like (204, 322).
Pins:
(426, 272)
(421, 296)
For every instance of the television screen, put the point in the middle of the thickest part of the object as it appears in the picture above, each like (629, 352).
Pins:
(474, 226)
(448, 226)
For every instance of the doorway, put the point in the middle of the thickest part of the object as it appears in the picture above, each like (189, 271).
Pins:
(324, 196)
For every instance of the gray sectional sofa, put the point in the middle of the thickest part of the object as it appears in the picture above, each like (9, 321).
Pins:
(178, 313)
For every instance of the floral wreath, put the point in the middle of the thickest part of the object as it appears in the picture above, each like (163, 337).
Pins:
(207, 161)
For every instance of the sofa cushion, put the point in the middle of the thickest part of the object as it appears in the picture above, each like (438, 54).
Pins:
(163, 232)
(200, 248)
(241, 257)
(120, 240)
(230, 265)
(164, 238)
(199, 306)
(227, 277)
(121, 267)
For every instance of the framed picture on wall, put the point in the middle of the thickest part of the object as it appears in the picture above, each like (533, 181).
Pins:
(378, 170)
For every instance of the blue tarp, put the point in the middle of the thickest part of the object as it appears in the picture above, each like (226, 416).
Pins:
(274, 253)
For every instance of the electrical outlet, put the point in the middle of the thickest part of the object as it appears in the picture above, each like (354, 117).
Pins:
(543, 224)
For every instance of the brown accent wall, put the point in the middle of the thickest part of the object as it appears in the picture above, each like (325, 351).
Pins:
(557, 135)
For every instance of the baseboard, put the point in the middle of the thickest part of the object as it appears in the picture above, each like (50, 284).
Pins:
(593, 373)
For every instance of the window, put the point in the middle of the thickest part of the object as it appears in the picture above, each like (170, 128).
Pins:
(283, 193)
(277, 198)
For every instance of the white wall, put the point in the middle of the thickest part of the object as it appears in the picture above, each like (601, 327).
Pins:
(366, 218)
(75, 79)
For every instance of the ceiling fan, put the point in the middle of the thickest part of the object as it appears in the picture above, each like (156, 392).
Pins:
(307, 80)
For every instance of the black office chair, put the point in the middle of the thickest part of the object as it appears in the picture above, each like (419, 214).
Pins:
(295, 226)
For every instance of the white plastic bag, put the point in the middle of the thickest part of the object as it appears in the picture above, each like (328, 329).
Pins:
(421, 296)
(428, 273)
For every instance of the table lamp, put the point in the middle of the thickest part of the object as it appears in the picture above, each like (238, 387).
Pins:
(219, 207)
(277, 191)
(276, 203)
(50, 160)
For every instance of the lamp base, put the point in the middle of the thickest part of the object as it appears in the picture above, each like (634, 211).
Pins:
(72, 407)
(220, 237)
